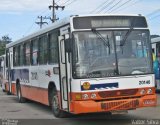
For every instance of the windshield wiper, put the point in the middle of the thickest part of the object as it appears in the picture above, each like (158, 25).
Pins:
(126, 36)
(106, 42)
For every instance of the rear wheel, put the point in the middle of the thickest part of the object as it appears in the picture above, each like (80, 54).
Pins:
(19, 94)
(56, 106)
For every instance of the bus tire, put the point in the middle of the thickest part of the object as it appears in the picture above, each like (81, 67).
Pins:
(57, 112)
(19, 95)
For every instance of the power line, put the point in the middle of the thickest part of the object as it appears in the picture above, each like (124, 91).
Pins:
(155, 17)
(58, 1)
(121, 5)
(66, 2)
(128, 6)
(113, 6)
(103, 8)
(99, 6)
(71, 3)
(152, 13)
(28, 30)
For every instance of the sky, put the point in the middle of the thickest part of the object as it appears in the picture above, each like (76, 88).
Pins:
(18, 17)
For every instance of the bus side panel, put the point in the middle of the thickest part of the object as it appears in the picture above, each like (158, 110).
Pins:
(13, 89)
(35, 93)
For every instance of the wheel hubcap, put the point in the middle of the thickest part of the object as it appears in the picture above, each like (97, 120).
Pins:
(55, 104)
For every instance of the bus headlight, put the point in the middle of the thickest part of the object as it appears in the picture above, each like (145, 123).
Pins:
(149, 91)
(85, 96)
(93, 96)
(143, 91)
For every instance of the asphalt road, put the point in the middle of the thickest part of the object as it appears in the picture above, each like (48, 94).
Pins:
(34, 113)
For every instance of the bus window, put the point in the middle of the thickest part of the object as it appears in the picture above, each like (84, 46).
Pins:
(16, 52)
(27, 53)
(158, 51)
(21, 55)
(43, 50)
(7, 58)
(53, 47)
(34, 52)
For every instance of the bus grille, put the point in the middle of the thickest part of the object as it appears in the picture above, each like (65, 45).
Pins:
(120, 105)
(128, 92)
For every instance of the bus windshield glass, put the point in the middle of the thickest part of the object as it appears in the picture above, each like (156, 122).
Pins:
(106, 54)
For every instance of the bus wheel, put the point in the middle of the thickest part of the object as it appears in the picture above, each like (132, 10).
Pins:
(56, 107)
(19, 95)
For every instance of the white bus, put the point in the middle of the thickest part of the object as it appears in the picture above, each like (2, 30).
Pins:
(2, 71)
(85, 64)
(156, 49)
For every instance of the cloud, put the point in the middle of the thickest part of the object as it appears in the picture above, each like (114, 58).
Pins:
(77, 7)
(23, 5)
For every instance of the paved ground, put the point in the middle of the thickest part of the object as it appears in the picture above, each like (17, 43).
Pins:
(37, 113)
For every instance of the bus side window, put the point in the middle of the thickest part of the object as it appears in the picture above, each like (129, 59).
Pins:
(27, 53)
(34, 53)
(7, 58)
(53, 47)
(16, 54)
(158, 50)
(21, 55)
(43, 53)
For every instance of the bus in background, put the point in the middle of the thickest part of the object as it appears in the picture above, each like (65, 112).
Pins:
(85, 64)
(156, 60)
(2, 71)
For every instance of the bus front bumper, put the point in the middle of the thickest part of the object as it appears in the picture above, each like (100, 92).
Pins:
(91, 106)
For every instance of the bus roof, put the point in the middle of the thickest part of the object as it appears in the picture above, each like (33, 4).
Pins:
(42, 31)
(59, 24)
(155, 40)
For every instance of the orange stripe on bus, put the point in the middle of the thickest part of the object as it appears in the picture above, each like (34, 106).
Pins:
(103, 95)
(13, 88)
(6, 87)
(91, 106)
(36, 94)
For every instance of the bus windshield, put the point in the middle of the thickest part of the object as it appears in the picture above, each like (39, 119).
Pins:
(106, 54)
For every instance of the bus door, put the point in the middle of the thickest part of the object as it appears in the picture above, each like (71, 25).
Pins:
(64, 73)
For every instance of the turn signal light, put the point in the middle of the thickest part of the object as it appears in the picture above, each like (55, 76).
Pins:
(78, 96)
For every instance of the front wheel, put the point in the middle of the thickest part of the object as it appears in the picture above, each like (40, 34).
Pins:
(56, 106)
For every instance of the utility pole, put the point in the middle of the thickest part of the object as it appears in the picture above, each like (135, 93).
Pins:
(53, 7)
(41, 21)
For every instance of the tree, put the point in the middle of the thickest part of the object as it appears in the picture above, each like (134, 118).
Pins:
(3, 41)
